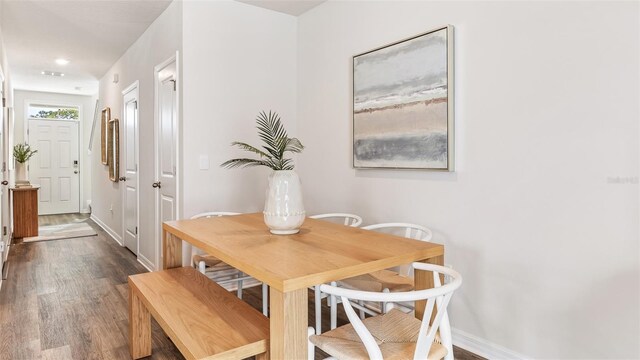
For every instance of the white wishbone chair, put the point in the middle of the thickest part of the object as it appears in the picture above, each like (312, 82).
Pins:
(391, 281)
(222, 273)
(393, 334)
(347, 220)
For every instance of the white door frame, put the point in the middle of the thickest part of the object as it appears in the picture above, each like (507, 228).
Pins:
(135, 88)
(81, 162)
(156, 119)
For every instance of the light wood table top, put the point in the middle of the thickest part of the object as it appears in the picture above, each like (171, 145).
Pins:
(320, 253)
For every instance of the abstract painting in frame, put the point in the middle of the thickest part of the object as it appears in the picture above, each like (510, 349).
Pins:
(104, 135)
(403, 104)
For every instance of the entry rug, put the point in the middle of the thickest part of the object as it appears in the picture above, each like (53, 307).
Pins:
(64, 231)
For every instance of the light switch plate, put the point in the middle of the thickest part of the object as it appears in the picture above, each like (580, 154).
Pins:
(204, 162)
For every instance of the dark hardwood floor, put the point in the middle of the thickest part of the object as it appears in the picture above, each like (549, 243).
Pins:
(67, 299)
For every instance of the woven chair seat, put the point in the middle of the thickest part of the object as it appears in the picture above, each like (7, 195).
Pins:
(395, 332)
(378, 281)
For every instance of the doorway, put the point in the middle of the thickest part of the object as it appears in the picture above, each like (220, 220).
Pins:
(130, 193)
(56, 165)
(166, 146)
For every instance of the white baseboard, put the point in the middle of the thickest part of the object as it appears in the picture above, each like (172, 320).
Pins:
(85, 211)
(114, 235)
(145, 262)
(482, 347)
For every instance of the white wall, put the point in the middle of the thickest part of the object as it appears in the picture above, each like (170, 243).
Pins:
(158, 43)
(238, 60)
(87, 106)
(546, 119)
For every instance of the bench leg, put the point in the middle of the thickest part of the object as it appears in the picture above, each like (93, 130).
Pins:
(139, 327)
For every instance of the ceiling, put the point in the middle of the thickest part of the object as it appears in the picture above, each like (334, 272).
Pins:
(92, 34)
(291, 7)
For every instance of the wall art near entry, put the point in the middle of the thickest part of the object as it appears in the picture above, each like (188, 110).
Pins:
(104, 131)
(403, 104)
(113, 149)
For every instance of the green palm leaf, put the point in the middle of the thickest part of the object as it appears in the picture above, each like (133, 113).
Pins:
(276, 143)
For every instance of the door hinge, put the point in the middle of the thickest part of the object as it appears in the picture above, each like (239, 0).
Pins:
(4, 102)
(4, 166)
(174, 84)
(136, 104)
(136, 230)
(4, 230)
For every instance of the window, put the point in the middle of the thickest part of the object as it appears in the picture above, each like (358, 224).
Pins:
(53, 112)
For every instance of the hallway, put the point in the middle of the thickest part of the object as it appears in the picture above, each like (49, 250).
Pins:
(67, 299)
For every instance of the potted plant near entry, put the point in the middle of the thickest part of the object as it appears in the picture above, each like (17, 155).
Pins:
(283, 209)
(22, 153)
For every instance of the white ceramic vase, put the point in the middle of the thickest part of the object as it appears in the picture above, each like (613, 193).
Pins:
(283, 207)
(21, 173)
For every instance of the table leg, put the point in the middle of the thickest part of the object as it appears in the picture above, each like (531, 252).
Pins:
(424, 280)
(171, 250)
(289, 320)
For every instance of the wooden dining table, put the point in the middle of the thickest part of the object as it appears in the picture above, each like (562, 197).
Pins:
(320, 253)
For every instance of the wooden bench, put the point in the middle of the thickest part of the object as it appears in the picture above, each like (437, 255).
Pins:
(202, 318)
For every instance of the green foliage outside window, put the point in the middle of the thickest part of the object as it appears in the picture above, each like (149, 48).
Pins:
(63, 114)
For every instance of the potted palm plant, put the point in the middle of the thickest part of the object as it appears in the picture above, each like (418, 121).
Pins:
(283, 210)
(22, 153)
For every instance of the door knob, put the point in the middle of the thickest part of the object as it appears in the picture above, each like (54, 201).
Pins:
(75, 171)
(156, 184)
(122, 178)
(5, 182)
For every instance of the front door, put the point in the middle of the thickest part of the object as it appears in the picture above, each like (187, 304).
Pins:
(130, 178)
(55, 166)
(166, 146)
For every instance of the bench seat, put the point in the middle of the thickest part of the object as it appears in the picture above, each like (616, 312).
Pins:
(202, 319)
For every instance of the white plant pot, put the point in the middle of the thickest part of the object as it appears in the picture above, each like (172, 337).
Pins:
(21, 172)
(283, 209)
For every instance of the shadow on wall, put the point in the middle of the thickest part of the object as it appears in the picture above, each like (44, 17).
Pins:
(407, 174)
(605, 305)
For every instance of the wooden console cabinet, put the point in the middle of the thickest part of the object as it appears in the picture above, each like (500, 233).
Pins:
(25, 211)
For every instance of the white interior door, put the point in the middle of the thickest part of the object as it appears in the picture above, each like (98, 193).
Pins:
(55, 166)
(166, 146)
(4, 240)
(130, 176)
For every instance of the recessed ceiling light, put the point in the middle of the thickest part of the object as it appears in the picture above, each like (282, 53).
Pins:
(62, 61)
(52, 73)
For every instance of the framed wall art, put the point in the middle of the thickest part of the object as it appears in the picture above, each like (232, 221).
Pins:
(403, 104)
(104, 134)
(113, 150)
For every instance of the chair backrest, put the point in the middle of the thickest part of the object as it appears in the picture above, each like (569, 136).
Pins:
(347, 219)
(437, 299)
(411, 231)
(211, 214)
